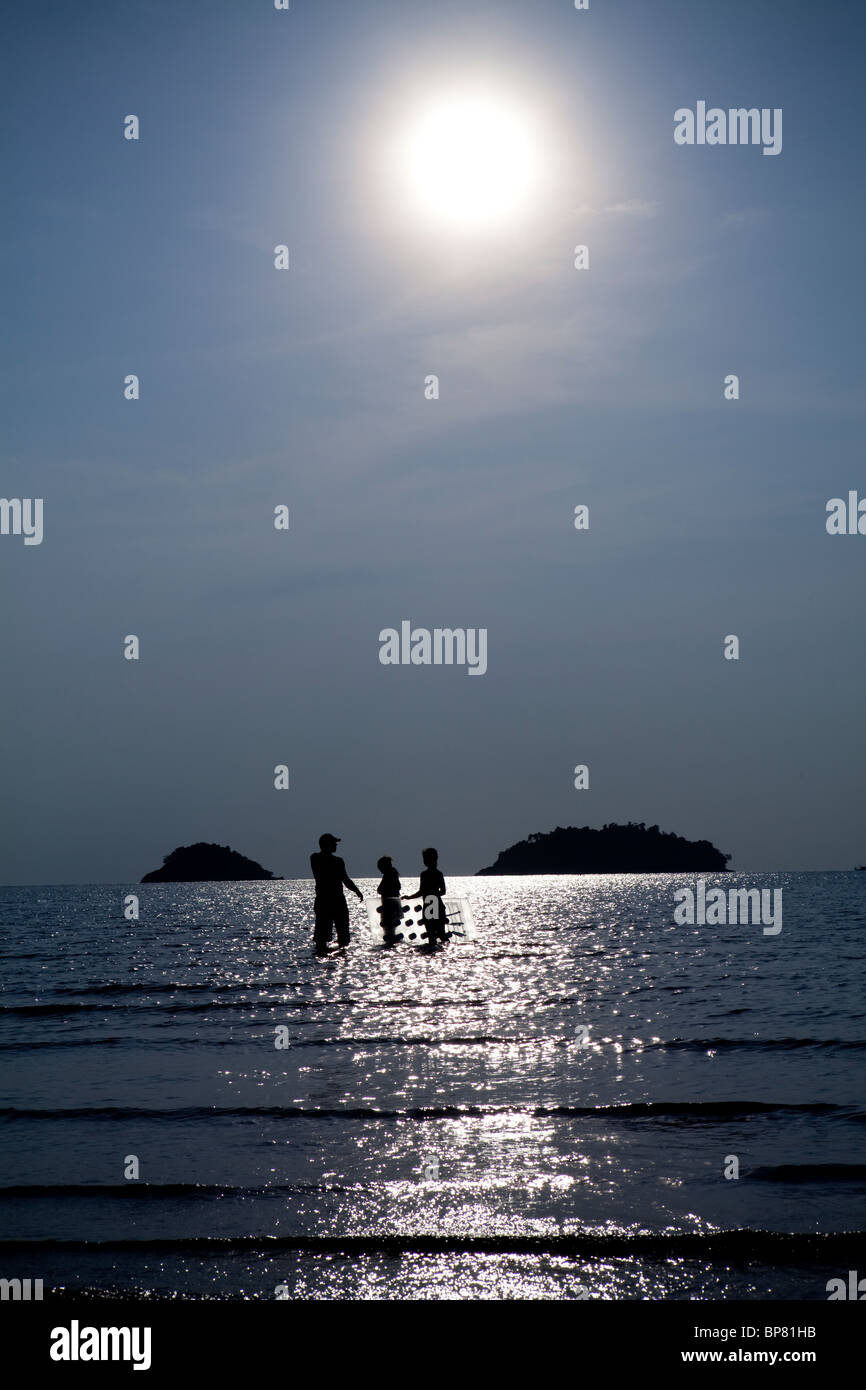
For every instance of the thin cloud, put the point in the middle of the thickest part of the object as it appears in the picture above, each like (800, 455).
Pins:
(630, 207)
(742, 218)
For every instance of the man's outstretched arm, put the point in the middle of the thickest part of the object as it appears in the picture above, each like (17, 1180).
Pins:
(350, 885)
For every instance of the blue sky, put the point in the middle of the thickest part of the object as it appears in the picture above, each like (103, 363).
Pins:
(305, 387)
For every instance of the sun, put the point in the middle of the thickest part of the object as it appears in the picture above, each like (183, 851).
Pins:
(469, 161)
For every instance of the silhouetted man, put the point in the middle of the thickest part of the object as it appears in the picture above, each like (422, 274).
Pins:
(330, 907)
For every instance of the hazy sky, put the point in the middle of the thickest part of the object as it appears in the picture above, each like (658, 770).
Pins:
(306, 387)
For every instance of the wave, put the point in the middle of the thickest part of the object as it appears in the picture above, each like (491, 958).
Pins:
(139, 1191)
(412, 1040)
(688, 1110)
(146, 1192)
(810, 1172)
(752, 1044)
(171, 1006)
(738, 1245)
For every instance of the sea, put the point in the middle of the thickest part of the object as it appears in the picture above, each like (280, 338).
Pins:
(589, 1101)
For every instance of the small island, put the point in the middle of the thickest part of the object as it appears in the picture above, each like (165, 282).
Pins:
(615, 849)
(203, 863)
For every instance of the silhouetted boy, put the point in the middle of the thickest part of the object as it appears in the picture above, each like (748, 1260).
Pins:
(389, 891)
(431, 887)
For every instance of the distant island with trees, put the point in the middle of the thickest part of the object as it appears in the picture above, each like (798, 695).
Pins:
(204, 863)
(615, 849)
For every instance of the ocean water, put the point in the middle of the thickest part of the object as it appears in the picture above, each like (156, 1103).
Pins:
(547, 1112)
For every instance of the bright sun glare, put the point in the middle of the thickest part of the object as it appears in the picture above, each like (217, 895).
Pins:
(470, 161)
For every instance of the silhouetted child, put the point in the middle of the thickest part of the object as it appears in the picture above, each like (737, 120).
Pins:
(431, 887)
(391, 911)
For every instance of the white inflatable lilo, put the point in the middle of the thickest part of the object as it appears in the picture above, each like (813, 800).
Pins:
(407, 920)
